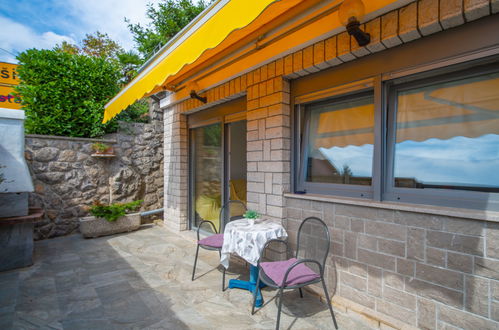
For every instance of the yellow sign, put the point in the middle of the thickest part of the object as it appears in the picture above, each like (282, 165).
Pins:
(9, 98)
(8, 74)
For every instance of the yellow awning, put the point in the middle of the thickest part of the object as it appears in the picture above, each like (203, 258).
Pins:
(191, 46)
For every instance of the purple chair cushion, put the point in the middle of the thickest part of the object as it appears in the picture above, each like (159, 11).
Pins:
(277, 269)
(215, 241)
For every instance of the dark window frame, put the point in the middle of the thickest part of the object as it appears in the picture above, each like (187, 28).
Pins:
(437, 196)
(303, 115)
(382, 188)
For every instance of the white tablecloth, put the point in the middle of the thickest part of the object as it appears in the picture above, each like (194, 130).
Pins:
(248, 240)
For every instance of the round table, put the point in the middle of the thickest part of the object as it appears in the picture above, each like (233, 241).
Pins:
(247, 240)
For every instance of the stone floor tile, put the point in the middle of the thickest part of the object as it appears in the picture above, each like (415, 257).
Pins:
(142, 280)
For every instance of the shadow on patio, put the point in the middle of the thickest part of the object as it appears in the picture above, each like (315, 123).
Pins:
(141, 280)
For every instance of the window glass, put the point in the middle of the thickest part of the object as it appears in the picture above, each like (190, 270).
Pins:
(447, 135)
(207, 161)
(339, 145)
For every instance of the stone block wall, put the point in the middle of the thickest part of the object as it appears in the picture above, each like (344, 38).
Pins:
(268, 140)
(176, 177)
(429, 271)
(67, 178)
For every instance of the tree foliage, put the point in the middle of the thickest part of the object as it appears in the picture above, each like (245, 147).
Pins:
(100, 45)
(64, 93)
(166, 20)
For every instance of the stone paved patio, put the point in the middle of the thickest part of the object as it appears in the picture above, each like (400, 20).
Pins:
(141, 280)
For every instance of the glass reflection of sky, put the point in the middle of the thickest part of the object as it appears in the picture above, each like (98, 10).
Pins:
(460, 161)
(358, 158)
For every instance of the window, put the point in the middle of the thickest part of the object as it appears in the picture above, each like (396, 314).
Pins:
(338, 145)
(444, 140)
(447, 135)
(430, 138)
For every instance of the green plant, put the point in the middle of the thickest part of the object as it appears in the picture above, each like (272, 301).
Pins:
(64, 94)
(250, 214)
(100, 147)
(113, 211)
(166, 18)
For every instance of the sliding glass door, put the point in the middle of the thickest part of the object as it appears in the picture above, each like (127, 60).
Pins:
(218, 171)
(206, 173)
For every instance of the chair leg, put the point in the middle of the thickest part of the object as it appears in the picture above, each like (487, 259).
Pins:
(301, 292)
(329, 302)
(195, 262)
(223, 279)
(223, 272)
(255, 293)
(279, 308)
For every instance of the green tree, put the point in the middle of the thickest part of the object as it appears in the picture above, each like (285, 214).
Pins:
(66, 47)
(64, 94)
(130, 63)
(166, 20)
(100, 45)
(97, 44)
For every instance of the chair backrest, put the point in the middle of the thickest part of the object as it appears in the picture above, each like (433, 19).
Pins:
(313, 240)
(234, 210)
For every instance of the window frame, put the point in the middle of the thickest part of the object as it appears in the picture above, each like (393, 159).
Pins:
(385, 86)
(430, 196)
(302, 119)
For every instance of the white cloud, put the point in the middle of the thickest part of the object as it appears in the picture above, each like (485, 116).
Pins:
(81, 18)
(107, 16)
(16, 37)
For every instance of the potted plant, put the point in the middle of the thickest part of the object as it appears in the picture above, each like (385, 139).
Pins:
(251, 216)
(110, 219)
(102, 149)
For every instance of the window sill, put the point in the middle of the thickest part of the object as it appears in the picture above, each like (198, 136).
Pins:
(417, 208)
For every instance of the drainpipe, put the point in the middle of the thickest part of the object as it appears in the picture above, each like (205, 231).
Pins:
(151, 212)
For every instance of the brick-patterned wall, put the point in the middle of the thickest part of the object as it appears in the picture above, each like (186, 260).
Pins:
(268, 140)
(419, 269)
(176, 169)
(426, 270)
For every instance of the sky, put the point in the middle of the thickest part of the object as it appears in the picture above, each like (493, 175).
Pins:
(42, 24)
(459, 160)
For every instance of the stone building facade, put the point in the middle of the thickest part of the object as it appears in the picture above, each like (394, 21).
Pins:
(401, 265)
(68, 178)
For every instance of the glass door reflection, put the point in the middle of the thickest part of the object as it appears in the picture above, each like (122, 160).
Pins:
(207, 168)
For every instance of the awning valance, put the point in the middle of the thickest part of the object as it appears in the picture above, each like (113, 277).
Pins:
(224, 20)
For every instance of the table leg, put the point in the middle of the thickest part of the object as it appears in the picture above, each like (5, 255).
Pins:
(250, 285)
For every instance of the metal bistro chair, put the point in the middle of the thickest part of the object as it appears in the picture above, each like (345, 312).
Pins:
(294, 273)
(215, 242)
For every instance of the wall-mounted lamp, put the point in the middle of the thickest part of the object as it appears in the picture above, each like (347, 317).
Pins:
(195, 95)
(351, 13)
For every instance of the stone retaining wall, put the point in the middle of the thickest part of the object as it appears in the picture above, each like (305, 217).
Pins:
(68, 178)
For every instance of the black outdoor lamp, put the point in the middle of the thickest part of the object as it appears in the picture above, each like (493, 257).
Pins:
(350, 14)
(195, 95)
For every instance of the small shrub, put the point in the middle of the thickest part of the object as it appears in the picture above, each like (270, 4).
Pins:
(100, 147)
(113, 211)
(250, 214)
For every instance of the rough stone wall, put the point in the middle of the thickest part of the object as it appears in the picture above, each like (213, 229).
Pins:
(68, 178)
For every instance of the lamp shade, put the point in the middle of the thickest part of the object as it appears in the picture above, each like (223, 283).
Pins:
(351, 10)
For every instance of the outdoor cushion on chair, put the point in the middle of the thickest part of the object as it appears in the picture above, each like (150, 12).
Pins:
(215, 241)
(277, 269)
